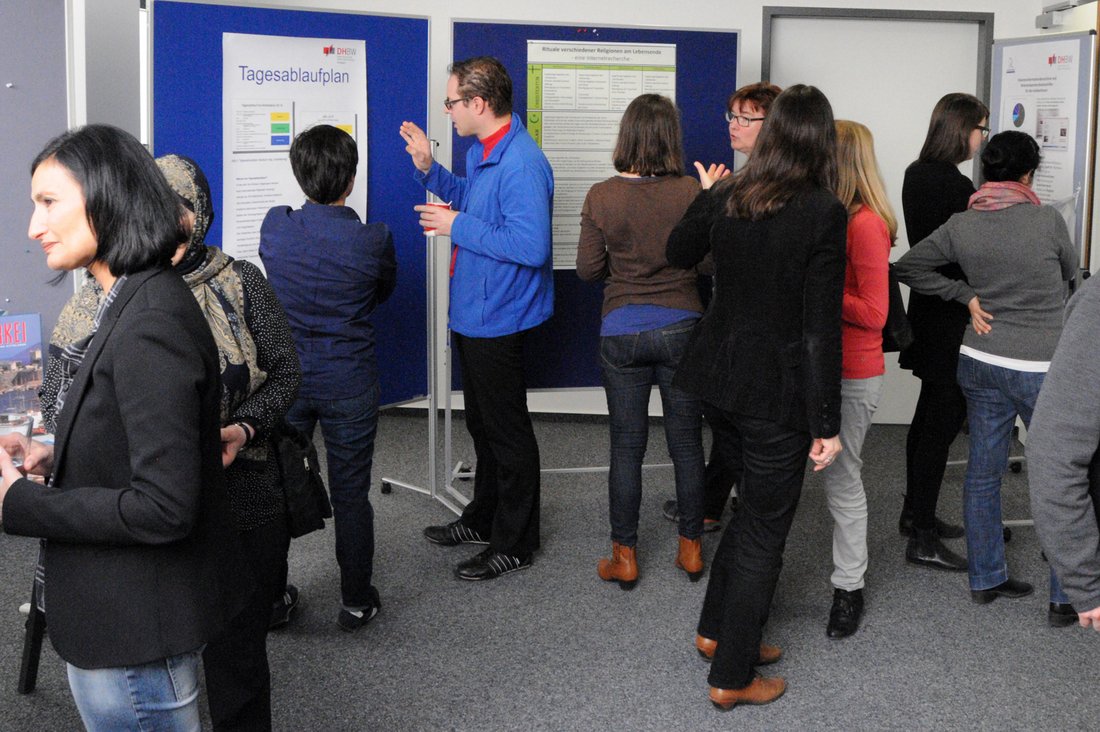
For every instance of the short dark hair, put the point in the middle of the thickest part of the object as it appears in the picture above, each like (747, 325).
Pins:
(953, 119)
(796, 150)
(760, 95)
(324, 159)
(485, 77)
(1008, 156)
(650, 141)
(131, 209)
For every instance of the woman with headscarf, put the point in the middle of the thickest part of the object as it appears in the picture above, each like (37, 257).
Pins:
(260, 376)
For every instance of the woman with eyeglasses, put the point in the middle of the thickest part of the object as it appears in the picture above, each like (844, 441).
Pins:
(768, 355)
(934, 189)
(649, 311)
(745, 112)
(1016, 257)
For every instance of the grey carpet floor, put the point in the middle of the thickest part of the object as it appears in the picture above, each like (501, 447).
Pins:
(554, 648)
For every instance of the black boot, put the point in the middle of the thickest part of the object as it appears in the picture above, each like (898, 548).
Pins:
(845, 614)
(926, 549)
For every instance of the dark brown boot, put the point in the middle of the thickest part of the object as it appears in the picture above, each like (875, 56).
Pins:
(690, 558)
(622, 567)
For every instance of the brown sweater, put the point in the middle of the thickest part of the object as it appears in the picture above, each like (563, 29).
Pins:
(625, 223)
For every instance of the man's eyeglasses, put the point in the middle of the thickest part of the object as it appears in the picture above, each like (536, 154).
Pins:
(985, 131)
(741, 120)
(448, 103)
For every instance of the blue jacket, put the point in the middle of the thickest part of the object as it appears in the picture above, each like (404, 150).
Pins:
(329, 271)
(503, 279)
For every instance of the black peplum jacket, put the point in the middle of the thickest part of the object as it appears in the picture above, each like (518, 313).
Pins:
(769, 345)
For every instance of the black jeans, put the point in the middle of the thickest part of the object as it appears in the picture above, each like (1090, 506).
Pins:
(746, 566)
(505, 506)
(238, 680)
(940, 411)
(725, 465)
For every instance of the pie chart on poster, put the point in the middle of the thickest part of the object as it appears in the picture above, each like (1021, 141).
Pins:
(1018, 115)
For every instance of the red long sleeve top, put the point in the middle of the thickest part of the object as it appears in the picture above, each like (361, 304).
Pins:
(866, 295)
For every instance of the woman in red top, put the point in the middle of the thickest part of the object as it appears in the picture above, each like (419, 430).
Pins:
(871, 232)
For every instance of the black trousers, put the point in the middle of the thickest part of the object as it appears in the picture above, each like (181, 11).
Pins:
(724, 466)
(939, 415)
(505, 506)
(746, 566)
(238, 680)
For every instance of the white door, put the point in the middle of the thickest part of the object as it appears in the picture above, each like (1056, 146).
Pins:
(887, 74)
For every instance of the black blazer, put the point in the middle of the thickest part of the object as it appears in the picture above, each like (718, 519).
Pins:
(931, 194)
(141, 559)
(769, 345)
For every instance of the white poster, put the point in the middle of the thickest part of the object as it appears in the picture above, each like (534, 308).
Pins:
(576, 95)
(274, 87)
(1039, 96)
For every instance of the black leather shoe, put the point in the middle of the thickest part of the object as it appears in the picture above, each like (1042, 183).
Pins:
(1009, 588)
(1061, 614)
(927, 550)
(490, 564)
(944, 530)
(453, 534)
(845, 614)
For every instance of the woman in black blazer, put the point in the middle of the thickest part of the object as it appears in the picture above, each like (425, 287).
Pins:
(934, 189)
(768, 354)
(140, 562)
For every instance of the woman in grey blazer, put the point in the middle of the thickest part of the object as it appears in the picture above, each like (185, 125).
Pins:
(139, 561)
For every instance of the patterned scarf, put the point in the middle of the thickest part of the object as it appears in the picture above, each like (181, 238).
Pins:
(72, 354)
(1001, 195)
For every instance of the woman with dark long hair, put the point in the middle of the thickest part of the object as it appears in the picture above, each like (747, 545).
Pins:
(140, 562)
(934, 190)
(1016, 257)
(768, 354)
(649, 309)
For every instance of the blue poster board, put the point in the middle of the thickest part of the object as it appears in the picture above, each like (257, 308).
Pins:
(187, 114)
(564, 351)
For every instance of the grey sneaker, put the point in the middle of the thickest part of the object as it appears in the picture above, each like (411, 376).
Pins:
(353, 620)
(671, 511)
(283, 608)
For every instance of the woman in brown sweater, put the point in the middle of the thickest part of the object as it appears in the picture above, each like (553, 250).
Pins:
(649, 309)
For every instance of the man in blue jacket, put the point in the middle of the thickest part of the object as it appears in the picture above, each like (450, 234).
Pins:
(502, 286)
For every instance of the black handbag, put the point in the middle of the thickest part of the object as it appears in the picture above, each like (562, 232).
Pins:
(897, 335)
(307, 504)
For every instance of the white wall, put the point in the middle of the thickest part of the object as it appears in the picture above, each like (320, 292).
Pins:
(1013, 18)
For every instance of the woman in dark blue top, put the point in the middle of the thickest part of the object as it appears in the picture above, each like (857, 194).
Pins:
(329, 270)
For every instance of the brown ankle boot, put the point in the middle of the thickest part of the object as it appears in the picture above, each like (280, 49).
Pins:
(690, 558)
(623, 566)
(762, 690)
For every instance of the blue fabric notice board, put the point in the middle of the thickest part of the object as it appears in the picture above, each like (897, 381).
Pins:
(187, 114)
(564, 351)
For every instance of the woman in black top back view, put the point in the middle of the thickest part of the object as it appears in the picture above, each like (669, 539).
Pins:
(768, 355)
(934, 189)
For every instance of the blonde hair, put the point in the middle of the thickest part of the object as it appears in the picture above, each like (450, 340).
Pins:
(859, 181)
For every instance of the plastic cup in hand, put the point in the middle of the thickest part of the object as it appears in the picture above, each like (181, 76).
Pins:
(446, 206)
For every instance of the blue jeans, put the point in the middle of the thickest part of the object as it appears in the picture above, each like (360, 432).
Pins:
(160, 696)
(995, 396)
(631, 364)
(348, 427)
